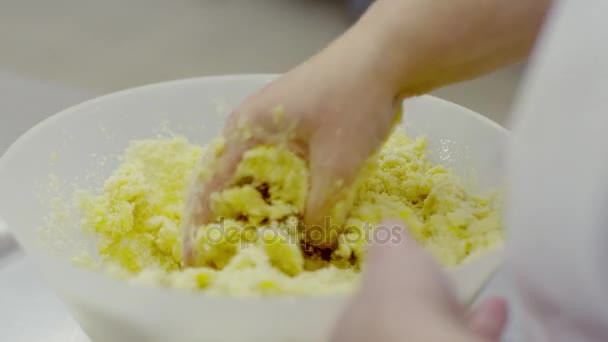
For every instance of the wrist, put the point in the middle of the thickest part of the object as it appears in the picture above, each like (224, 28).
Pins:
(392, 53)
(354, 61)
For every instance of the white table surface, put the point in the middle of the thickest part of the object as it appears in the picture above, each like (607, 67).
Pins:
(29, 311)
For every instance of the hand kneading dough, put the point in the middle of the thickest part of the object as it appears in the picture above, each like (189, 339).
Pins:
(256, 247)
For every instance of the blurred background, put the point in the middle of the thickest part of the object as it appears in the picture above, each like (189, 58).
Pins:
(95, 47)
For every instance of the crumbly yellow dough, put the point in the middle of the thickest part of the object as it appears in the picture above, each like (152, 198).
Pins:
(256, 248)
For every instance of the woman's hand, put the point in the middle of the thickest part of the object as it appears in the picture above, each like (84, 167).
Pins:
(405, 296)
(334, 111)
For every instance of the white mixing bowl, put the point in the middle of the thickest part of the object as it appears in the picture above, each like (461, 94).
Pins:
(110, 310)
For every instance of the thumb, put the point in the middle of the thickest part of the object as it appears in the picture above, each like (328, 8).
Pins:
(403, 295)
(488, 320)
(400, 265)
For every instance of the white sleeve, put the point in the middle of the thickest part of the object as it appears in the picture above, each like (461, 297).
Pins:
(558, 208)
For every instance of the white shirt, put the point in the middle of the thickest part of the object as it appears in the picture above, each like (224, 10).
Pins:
(558, 211)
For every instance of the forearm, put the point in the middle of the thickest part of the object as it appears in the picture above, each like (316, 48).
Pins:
(419, 45)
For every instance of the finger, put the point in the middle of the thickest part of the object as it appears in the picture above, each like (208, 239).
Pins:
(373, 314)
(400, 265)
(488, 320)
(397, 256)
(402, 275)
(198, 206)
(399, 293)
(383, 253)
(332, 172)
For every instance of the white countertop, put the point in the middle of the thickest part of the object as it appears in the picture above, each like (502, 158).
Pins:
(29, 311)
